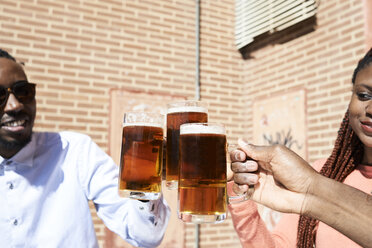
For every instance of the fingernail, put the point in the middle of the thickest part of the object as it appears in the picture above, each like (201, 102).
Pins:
(238, 156)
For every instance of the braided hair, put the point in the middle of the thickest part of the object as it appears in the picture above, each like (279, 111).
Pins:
(346, 155)
(5, 54)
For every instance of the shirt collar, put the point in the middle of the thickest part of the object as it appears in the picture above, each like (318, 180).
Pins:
(25, 156)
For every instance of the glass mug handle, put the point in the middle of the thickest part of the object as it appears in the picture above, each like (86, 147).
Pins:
(245, 196)
(240, 198)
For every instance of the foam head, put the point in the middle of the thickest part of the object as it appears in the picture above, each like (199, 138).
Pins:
(204, 128)
(182, 109)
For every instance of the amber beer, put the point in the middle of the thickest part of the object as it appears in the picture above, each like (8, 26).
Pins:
(179, 113)
(202, 183)
(141, 156)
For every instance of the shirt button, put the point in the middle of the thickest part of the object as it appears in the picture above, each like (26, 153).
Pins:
(8, 162)
(11, 186)
(15, 222)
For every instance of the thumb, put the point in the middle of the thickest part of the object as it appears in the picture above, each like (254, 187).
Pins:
(258, 153)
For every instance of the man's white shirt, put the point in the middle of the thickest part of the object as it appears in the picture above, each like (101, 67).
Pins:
(44, 192)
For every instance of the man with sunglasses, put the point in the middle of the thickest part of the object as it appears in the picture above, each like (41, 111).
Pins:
(47, 179)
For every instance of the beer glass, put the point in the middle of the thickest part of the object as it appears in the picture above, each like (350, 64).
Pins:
(179, 113)
(202, 196)
(141, 156)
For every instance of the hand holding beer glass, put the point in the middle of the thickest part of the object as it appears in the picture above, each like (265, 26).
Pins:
(202, 181)
(179, 113)
(141, 156)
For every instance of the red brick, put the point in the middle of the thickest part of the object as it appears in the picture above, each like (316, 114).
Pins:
(77, 52)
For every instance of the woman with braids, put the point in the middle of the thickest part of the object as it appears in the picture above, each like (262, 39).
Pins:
(339, 196)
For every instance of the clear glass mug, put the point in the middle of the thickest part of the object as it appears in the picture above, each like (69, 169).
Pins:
(232, 198)
(141, 156)
(179, 113)
(202, 196)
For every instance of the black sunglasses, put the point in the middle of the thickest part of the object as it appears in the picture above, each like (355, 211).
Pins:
(22, 90)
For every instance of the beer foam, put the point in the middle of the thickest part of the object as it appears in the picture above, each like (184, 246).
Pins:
(199, 128)
(142, 124)
(187, 109)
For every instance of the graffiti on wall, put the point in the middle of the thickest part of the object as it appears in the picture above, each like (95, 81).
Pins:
(283, 138)
(280, 120)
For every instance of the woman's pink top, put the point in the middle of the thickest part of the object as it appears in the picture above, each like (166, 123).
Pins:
(253, 233)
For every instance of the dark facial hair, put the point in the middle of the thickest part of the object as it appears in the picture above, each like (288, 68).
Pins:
(14, 145)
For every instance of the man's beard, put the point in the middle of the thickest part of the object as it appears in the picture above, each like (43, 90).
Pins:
(14, 145)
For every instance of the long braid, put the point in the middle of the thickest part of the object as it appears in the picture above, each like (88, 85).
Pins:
(346, 155)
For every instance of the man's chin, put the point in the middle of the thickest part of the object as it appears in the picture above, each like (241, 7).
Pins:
(14, 144)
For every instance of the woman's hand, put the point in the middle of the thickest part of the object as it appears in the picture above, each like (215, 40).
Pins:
(281, 178)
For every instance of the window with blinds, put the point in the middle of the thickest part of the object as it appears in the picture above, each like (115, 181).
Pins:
(257, 20)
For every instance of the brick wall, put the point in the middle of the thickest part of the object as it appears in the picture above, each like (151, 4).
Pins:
(76, 51)
(321, 62)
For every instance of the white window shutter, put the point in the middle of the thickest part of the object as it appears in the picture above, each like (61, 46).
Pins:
(257, 17)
